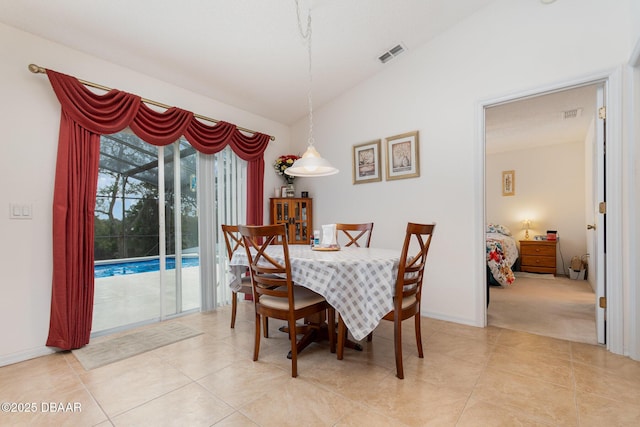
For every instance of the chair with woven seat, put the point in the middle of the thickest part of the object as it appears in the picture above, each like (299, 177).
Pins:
(355, 234)
(275, 294)
(233, 241)
(408, 290)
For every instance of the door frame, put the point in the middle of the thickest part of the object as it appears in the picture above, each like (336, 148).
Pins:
(633, 157)
(596, 238)
(612, 80)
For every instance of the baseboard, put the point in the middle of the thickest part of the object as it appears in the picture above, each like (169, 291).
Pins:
(440, 316)
(10, 359)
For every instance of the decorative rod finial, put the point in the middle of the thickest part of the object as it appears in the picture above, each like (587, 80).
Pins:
(36, 69)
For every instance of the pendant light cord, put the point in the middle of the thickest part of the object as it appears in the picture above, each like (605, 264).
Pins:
(306, 36)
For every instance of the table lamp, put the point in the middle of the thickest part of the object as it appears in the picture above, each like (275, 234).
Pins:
(526, 225)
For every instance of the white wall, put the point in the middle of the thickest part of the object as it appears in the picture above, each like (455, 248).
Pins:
(508, 47)
(549, 191)
(634, 17)
(435, 89)
(30, 119)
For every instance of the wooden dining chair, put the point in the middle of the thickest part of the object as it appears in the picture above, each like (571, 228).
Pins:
(233, 240)
(275, 294)
(408, 290)
(355, 234)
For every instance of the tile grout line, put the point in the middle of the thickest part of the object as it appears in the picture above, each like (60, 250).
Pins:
(84, 386)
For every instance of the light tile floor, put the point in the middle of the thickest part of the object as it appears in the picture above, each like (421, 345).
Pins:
(468, 377)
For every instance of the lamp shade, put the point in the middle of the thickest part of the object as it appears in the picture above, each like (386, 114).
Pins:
(311, 164)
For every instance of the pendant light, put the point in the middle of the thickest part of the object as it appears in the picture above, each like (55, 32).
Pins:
(311, 163)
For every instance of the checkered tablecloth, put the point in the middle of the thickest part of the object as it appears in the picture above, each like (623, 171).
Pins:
(357, 282)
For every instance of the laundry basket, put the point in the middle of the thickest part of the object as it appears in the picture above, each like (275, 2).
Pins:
(577, 269)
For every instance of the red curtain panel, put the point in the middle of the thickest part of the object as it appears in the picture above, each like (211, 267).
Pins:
(85, 116)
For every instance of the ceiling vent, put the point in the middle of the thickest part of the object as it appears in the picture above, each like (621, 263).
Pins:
(572, 114)
(391, 53)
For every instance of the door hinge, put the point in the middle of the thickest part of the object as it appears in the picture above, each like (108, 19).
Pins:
(602, 113)
(602, 207)
(602, 302)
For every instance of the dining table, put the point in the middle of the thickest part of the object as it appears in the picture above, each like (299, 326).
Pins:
(357, 282)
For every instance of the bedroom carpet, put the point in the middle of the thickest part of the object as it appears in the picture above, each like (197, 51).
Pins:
(551, 306)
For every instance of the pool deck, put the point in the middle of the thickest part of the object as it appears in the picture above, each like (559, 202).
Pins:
(135, 298)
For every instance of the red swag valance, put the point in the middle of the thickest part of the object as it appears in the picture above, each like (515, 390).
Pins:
(85, 116)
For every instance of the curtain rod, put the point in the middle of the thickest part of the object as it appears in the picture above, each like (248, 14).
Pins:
(36, 69)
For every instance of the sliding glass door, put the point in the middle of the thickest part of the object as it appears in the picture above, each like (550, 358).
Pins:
(180, 278)
(146, 232)
(159, 251)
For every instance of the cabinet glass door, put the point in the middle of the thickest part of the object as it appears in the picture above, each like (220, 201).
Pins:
(279, 214)
(304, 229)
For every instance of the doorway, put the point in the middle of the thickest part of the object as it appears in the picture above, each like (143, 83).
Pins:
(545, 141)
(146, 233)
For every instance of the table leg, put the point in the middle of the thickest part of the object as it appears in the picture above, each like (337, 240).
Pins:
(311, 332)
(343, 339)
(353, 345)
(315, 329)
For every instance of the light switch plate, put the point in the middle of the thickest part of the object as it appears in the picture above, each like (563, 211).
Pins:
(20, 211)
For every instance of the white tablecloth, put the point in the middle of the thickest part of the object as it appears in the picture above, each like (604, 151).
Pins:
(358, 282)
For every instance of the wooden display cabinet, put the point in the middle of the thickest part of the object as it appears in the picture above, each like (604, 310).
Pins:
(297, 213)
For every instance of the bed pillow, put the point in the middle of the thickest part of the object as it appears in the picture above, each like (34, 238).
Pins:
(497, 228)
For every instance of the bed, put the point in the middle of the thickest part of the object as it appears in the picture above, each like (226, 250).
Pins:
(502, 254)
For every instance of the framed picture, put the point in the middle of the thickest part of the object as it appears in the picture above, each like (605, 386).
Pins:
(402, 156)
(366, 162)
(508, 183)
(283, 191)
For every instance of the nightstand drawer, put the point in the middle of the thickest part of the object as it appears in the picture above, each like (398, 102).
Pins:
(538, 261)
(538, 250)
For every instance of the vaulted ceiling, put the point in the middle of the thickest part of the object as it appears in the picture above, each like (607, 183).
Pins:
(249, 53)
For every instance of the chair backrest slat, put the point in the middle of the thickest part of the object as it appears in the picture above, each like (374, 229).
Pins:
(358, 235)
(268, 275)
(232, 238)
(411, 267)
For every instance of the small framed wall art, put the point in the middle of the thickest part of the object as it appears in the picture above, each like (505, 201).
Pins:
(508, 183)
(403, 156)
(366, 162)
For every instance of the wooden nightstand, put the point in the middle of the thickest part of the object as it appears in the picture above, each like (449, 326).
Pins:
(538, 256)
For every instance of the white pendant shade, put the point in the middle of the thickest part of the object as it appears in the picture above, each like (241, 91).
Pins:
(311, 164)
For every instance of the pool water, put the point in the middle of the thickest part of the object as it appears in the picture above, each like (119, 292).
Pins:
(142, 266)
